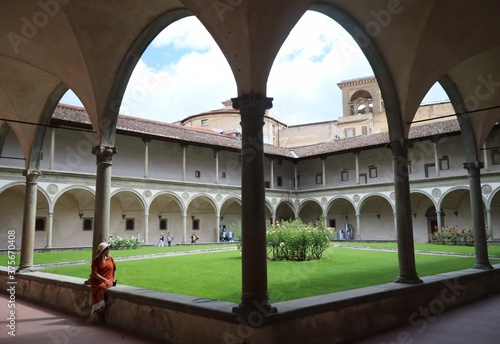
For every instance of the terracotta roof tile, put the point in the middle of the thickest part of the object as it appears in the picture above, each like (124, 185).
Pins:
(175, 132)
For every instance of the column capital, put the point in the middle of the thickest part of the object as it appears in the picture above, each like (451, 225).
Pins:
(399, 144)
(104, 154)
(252, 106)
(32, 175)
(473, 165)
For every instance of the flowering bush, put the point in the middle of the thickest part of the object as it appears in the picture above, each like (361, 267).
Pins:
(454, 236)
(118, 242)
(293, 240)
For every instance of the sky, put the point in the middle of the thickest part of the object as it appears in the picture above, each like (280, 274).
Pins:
(184, 73)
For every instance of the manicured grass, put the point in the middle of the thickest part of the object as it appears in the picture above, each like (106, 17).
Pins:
(86, 255)
(217, 275)
(493, 249)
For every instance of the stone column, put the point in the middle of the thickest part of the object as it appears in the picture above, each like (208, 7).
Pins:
(488, 222)
(50, 224)
(184, 228)
(404, 223)
(357, 230)
(436, 158)
(216, 153)
(29, 219)
(217, 226)
(52, 147)
(184, 147)
(295, 176)
(439, 215)
(323, 171)
(356, 155)
(146, 156)
(146, 227)
(253, 221)
(104, 157)
(272, 173)
(476, 200)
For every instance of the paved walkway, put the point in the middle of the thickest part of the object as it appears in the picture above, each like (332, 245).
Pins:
(477, 323)
(42, 325)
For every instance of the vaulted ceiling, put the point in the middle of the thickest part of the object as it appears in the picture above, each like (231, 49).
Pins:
(92, 46)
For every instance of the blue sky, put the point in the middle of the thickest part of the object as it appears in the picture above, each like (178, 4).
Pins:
(183, 72)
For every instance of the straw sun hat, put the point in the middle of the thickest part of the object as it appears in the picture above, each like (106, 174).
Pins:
(102, 246)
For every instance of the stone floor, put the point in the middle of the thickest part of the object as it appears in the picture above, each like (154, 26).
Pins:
(478, 323)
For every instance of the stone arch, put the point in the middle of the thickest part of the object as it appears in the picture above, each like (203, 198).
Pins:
(493, 220)
(361, 103)
(285, 211)
(455, 203)
(423, 224)
(72, 206)
(127, 209)
(376, 214)
(12, 212)
(310, 211)
(201, 212)
(230, 213)
(165, 211)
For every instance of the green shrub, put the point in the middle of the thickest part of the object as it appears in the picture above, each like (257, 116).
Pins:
(117, 242)
(293, 240)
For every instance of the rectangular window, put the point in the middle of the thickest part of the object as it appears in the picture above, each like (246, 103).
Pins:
(196, 224)
(362, 178)
(87, 223)
(204, 122)
(163, 224)
(223, 174)
(279, 181)
(267, 184)
(130, 224)
(428, 168)
(373, 171)
(344, 175)
(350, 132)
(197, 174)
(319, 178)
(364, 130)
(444, 163)
(40, 224)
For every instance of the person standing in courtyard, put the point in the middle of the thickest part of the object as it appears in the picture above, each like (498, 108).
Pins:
(103, 276)
(161, 241)
(170, 238)
(194, 238)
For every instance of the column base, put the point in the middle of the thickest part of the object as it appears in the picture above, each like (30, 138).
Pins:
(22, 269)
(408, 280)
(483, 266)
(261, 307)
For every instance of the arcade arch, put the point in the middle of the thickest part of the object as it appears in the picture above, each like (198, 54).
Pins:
(376, 213)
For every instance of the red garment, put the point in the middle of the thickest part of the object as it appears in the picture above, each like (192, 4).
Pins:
(107, 270)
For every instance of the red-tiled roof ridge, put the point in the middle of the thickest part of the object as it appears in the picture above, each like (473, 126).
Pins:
(122, 118)
(202, 136)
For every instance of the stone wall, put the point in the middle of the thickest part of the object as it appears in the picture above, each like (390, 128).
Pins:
(331, 318)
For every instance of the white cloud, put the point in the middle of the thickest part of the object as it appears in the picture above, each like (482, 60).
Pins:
(196, 78)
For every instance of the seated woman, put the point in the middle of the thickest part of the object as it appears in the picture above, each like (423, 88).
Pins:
(103, 276)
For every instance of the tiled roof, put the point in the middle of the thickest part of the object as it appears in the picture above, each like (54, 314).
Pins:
(179, 133)
(363, 141)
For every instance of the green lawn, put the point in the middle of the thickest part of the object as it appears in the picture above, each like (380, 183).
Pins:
(493, 249)
(86, 255)
(217, 275)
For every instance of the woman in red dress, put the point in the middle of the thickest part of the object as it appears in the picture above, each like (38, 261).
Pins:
(103, 276)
